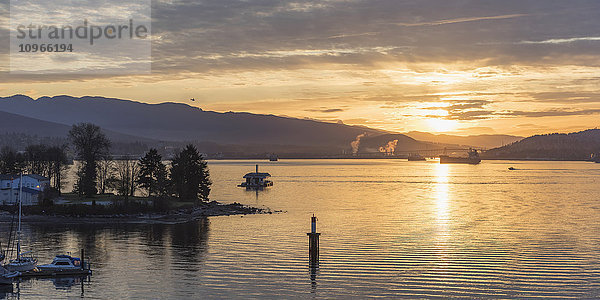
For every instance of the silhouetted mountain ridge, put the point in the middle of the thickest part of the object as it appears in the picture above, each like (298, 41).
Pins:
(14, 123)
(558, 146)
(181, 122)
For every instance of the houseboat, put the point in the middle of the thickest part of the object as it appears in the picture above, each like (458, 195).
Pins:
(256, 180)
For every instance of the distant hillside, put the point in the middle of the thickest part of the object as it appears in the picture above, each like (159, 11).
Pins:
(13, 123)
(559, 146)
(487, 141)
(181, 122)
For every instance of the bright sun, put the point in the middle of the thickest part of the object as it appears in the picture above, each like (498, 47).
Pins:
(441, 125)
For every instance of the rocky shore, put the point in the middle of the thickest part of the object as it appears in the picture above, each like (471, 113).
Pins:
(172, 217)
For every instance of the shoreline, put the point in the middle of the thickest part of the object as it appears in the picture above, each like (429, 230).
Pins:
(388, 158)
(179, 216)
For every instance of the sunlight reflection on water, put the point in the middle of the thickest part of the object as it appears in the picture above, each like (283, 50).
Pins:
(389, 228)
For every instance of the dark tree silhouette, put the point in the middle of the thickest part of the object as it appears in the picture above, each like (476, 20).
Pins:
(57, 160)
(153, 174)
(11, 162)
(48, 161)
(91, 145)
(190, 176)
(125, 172)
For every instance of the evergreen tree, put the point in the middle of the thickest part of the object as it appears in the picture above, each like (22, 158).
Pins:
(152, 174)
(190, 176)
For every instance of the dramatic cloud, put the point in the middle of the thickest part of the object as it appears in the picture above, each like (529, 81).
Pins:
(390, 64)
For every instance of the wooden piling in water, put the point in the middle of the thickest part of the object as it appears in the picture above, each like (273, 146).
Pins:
(313, 243)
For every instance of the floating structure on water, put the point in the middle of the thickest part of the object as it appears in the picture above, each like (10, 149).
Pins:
(273, 157)
(256, 180)
(416, 157)
(473, 158)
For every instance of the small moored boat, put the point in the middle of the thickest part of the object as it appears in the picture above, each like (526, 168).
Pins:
(62, 262)
(65, 264)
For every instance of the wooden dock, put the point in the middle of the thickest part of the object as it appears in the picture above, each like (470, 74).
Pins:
(55, 273)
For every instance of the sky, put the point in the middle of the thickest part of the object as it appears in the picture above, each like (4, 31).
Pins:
(443, 66)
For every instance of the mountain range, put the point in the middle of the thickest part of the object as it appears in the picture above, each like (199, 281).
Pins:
(170, 124)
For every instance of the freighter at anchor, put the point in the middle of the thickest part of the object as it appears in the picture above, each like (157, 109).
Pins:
(473, 158)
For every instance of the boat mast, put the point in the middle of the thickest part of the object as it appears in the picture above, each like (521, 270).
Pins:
(19, 226)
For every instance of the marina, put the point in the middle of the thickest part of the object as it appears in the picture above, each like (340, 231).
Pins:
(24, 265)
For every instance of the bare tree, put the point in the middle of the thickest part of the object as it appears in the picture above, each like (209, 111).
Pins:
(105, 170)
(91, 145)
(125, 175)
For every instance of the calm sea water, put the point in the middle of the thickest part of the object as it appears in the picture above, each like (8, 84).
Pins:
(390, 228)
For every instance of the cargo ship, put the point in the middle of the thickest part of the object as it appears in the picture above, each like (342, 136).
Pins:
(473, 158)
(416, 157)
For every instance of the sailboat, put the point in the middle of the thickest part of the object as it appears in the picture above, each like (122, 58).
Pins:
(24, 262)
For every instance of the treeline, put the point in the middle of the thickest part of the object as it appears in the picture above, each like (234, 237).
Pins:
(48, 161)
(98, 172)
(19, 141)
(557, 146)
(186, 178)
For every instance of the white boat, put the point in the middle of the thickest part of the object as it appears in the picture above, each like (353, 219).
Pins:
(62, 263)
(24, 262)
(7, 277)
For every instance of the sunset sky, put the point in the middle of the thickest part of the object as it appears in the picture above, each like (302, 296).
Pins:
(462, 67)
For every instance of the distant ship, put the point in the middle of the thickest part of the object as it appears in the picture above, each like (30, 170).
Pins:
(416, 157)
(273, 157)
(473, 158)
(596, 157)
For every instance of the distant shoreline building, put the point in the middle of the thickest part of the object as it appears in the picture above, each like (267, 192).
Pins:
(33, 186)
